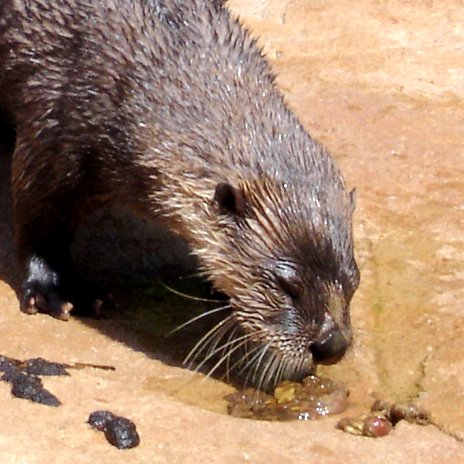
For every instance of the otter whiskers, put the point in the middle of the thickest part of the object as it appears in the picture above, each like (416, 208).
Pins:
(197, 318)
(226, 345)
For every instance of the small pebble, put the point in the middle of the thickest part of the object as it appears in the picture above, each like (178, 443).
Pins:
(376, 426)
(371, 425)
(352, 425)
(410, 412)
(383, 417)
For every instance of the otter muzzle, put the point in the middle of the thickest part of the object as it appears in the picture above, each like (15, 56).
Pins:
(331, 349)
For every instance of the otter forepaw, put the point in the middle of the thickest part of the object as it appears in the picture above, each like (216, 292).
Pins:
(44, 301)
(92, 302)
(47, 291)
(41, 292)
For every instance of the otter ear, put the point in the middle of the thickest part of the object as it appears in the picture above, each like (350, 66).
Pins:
(353, 199)
(230, 199)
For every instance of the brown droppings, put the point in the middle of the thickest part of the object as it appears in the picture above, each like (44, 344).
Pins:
(119, 431)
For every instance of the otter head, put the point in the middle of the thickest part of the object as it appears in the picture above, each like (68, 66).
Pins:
(285, 260)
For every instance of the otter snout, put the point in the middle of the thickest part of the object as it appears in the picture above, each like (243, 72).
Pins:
(332, 342)
(331, 349)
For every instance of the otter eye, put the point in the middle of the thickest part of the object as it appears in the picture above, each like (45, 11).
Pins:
(287, 277)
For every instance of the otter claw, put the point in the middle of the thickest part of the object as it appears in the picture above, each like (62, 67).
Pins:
(62, 311)
(34, 302)
(29, 305)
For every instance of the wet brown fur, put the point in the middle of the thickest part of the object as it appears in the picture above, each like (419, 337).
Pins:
(154, 104)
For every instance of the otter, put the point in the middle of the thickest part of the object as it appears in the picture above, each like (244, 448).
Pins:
(169, 108)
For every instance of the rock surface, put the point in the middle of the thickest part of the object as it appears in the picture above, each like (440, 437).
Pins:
(382, 86)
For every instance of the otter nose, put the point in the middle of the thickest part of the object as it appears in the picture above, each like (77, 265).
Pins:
(331, 349)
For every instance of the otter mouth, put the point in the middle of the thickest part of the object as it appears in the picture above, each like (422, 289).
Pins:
(265, 364)
(249, 357)
(262, 366)
(241, 349)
